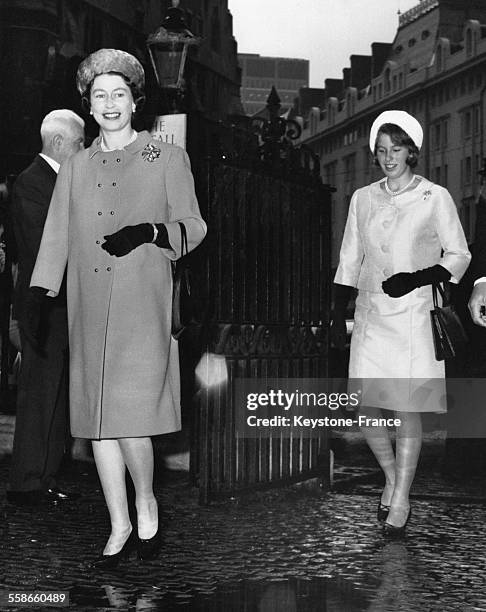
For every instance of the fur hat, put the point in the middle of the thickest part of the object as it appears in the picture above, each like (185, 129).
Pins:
(109, 60)
(409, 124)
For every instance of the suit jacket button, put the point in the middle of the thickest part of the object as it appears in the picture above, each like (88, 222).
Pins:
(96, 269)
(99, 213)
(108, 269)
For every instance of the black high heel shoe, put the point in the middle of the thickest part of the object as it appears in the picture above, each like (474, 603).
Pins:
(112, 561)
(148, 549)
(391, 531)
(382, 511)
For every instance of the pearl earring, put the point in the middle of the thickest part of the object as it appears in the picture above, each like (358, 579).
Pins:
(133, 108)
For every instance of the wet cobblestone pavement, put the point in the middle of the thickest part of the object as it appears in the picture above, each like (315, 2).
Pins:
(296, 549)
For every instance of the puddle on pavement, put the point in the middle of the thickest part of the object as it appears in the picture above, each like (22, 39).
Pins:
(291, 595)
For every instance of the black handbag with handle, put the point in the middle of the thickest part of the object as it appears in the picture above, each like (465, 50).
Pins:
(183, 307)
(447, 330)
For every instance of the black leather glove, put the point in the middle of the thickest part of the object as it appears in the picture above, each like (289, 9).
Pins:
(130, 237)
(342, 295)
(34, 321)
(404, 282)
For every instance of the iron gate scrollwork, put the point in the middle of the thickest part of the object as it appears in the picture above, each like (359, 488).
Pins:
(268, 278)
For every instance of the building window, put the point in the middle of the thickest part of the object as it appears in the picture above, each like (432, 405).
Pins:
(387, 81)
(436, 136)
(467, 123)
(367, 161)
(330, 173)
(439, 58)
(437, 175)
(477, 119)
(445, 133)
(349, 168)
(467, 170)
(469, 42)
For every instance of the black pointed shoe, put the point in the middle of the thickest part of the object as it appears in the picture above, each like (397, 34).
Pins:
(390, 531)
(382, 511)
(149, 549)
(112, 561)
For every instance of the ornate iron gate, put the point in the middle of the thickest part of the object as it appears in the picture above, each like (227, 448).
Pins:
(268, 277)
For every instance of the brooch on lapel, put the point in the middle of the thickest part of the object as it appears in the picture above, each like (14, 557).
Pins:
(427, 194)
(151, 152)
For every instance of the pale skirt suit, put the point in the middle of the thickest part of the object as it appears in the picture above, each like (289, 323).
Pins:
(392, 337)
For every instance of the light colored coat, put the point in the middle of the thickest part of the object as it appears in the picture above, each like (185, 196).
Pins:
(124, 364)
(381, 239)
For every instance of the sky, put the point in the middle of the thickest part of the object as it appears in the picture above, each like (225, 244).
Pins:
(326, 32)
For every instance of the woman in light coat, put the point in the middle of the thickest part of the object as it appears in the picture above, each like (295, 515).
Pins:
(113, 220)
(402, 235)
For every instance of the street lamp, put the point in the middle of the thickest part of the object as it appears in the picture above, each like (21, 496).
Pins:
(168, 47)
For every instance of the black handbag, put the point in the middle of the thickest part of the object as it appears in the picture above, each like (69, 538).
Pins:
(447, 330)
(183, 307)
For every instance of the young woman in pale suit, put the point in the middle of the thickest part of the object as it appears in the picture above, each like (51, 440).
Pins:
(402, 235)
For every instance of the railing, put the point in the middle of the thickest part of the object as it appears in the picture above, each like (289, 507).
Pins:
(267, 280)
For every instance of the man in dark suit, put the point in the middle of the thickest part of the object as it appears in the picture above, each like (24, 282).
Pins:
(42, 401)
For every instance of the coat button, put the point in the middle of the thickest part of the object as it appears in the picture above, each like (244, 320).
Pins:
(386, 223)
(99, 213)
(98, 242)
(118, 160)
(108, 269)
(385, 248)
(99, 184)
(104, 161)
(114, 184)
(96, 269)
(112, 212)
(386, 272)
